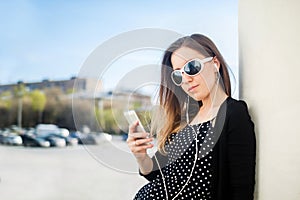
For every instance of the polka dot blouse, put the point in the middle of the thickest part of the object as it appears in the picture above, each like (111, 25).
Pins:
(184, 178)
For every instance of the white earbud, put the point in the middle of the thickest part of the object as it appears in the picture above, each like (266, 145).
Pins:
(216, 67)
(217, 71)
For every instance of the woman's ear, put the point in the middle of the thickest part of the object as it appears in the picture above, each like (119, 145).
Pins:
(216, 63)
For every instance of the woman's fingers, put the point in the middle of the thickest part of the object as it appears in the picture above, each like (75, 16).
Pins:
(132, 127)
(138, 142)
(132, 134)
(138, 135)
(142, 141)
(141, 148)
(139, 145)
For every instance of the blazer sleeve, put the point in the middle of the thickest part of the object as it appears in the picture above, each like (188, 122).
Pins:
(155, 173)
(241, 153)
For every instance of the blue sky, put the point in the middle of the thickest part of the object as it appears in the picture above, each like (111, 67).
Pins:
(51, 39)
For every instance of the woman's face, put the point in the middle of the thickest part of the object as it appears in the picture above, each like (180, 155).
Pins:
(199, 86)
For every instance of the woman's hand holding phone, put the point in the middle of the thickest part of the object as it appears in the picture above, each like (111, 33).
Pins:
(138, 142)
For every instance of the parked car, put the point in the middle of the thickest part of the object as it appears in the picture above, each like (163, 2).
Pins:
(91, 138)
(16, 129)
(64, 132)
(124, 136)
(12, 139)
(45, 129)
(6, 132)
(55, 141)
(2, 138)
(103, 137)
(84, 138)
(33, 141)
(69, 140)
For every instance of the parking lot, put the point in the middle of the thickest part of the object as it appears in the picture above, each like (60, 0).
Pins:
(66, 173)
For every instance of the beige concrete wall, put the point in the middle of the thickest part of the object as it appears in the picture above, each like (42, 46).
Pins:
(269, 54)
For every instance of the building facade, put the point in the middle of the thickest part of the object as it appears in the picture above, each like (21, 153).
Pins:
(81, 85)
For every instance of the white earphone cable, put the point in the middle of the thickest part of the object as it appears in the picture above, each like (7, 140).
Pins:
(196, 155)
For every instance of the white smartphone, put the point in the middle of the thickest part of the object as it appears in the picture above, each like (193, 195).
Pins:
(132, 117)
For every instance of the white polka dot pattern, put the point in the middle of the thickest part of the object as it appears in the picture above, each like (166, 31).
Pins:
(181, 156)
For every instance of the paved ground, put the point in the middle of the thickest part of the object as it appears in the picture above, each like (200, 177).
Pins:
(75, 173)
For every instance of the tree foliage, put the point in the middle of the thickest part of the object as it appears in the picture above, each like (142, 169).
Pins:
(19, 91)
(5, 99)
(54, 106)
(38, 100)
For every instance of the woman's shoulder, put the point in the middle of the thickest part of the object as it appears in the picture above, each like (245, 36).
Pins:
(236, 107)
(236, 104)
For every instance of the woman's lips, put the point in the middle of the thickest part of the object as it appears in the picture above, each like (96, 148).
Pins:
(192, 88)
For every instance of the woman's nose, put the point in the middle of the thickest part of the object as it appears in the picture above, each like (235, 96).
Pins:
(186, 78)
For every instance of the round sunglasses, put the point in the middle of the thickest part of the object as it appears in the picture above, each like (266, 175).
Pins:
(191, 68)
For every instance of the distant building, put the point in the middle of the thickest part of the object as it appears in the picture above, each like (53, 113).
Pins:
(82, 85)
(88, 88)
(125, 99)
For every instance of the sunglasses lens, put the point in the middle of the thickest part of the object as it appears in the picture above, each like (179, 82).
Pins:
(177, 77)
(193, 67)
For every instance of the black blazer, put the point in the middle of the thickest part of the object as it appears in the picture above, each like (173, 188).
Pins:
(234, 154)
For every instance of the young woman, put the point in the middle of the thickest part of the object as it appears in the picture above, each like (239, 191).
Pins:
(206, 139)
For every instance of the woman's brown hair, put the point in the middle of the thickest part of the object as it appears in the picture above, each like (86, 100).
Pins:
(172, 97)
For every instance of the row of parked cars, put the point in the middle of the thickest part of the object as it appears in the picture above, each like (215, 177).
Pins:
(49, 135)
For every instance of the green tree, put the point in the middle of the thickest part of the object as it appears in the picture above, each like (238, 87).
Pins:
(19, 90)
(29, 117)
(53, 105)
(5, 105)
(38, 100)
(5, 99)
(107, 121)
